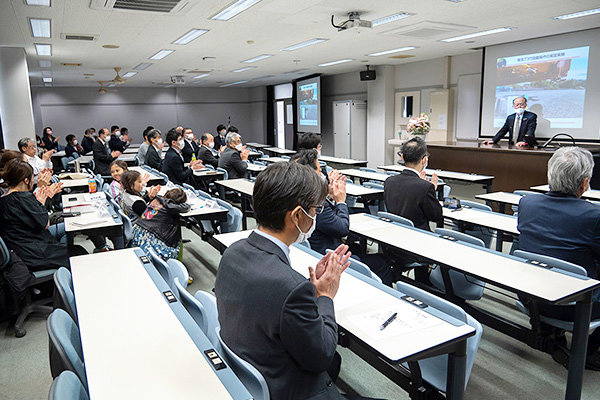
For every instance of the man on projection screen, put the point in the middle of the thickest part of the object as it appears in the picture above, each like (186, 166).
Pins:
(521, 121)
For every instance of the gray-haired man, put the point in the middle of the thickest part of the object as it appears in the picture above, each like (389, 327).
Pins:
(233, 158)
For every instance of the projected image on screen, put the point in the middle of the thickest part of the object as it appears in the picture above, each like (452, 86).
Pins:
(308, 102)
(553, 83)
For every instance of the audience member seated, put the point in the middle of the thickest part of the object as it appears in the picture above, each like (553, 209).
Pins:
(220, 138)
(73, 149)
(270, 315)
(24, 219)
(103, 157)
(190, 148)
(207, 153)
(50, 142)
(159, 226)
(118, 141)
(88, 141)
(117, 168)
(307, 141)
(27, 147)
(233, 158)
(173, 164)
(572, 233)
(153, 153)
(5, 157)
(141, 153)
(135, 197)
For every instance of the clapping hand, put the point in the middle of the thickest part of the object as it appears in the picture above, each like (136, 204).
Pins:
(153, 191)
(44, 177)
(221, 149)
(115, 154)
(41, 194)
(434, 180)
(46, 156)
(244, 154)
(196, 165)
(330, 268)
(54, 189)
(145, 178)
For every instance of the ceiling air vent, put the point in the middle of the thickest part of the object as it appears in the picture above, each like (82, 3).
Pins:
(78, 36)
(156, 6)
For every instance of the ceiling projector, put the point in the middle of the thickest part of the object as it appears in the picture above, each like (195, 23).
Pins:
(353, 22)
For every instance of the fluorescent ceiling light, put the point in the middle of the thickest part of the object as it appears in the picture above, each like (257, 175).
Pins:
(47, 80)
(234, 83)
(327, 64)
(45, 3)
(257, 58)
(243, 69)
(477, 34)
(201, 76)
(40, 27)
(234, 9)
(48, 84)
(304, 44)
(129, 74)
(578, 14)
(46, 73)
(43, 49)
(191, 35)
(390, 18)
(382, 53)
(45, 63)
(161, 54)
(142, 66)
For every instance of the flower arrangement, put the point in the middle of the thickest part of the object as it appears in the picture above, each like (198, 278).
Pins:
(419, 125)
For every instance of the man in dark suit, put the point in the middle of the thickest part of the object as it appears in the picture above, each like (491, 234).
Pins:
(522, 122)
(206, 152)
(153, 154)
(102, 154)
(220, 138)
(117, 141)
(88, 141)
(233, 158)
(270, 315)
(562, 225)
(173, 164)
(190, 148)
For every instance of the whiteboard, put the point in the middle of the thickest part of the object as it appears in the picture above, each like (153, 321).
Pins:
(467, 113)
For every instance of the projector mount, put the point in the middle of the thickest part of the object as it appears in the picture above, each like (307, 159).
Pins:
(353, 21)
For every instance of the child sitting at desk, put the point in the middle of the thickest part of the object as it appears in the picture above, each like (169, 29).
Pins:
(135, 197)
(158, 228)
(116, 170)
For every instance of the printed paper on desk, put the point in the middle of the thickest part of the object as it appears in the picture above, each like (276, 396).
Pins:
(409, 319)
(94, 196)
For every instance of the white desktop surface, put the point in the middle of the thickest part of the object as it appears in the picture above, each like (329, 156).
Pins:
(71, 183)
(87, 220)
(133, 344)
(143, 172)
(255, 168)
(338, 160)
(372, 176)
(501, 197)
(82, 160)
(591, 194)
(239, 185)
(280, 150)
(272, 159)
(461, 176)
(198, 206)
(205, 172)
(359, 190)
(493, 220)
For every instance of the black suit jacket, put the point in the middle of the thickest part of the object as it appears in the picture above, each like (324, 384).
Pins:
(87, 143)
(208, 158)
(411, 197)
(527, 128)
(102, 158)
(116, 144)
(219, 142)
(173, 166)
(332, 224)
(153, 158)
(270, 316)
(231, 161)
(188, 149)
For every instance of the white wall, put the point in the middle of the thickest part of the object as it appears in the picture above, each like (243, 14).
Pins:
(72, 110)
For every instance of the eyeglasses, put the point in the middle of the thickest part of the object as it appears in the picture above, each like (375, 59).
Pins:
(319, 209)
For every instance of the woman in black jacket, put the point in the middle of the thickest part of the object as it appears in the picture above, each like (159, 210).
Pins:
(50, 142)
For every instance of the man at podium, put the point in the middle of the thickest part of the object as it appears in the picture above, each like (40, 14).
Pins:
(522, 122)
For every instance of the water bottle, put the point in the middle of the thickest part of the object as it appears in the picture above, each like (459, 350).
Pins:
(92, 185)
(193, 157)
(77, 166)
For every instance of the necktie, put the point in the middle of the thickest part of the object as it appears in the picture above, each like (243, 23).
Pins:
(517, 128)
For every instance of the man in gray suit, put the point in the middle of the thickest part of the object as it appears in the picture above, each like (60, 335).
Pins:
(233, 158)
(270, 315)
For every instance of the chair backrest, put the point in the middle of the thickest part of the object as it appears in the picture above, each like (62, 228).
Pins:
(203, 194)
(261, 163)
(524, 192)
(64, 337)
(192, 305)
(4, 255)
(435, 369)
(373, 185)
(65, 161)
(224, 171)
(367, 169)
(189, 187)
(209, 302)
(248, 374)
(475, 205)
(306, 244)
(177, 271)
(360, 267)
(392, 172)
(160, 265)
(554, 262)
(234, 217)
(396, 218)
(210, 167)
(64, 286)
(54, 179)
(99, 180)
(67, 386)
(127, 225)
(106, 189)
(285, 158)
(460, 236)
(138, 160)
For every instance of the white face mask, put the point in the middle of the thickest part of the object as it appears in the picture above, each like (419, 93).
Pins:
(159, 142)
(118, 133)
(74, 142)
(519, 111)
(318, 153)
(239, 147)
(303, 236)
(189, 136)
(211, 145)
(181, 143)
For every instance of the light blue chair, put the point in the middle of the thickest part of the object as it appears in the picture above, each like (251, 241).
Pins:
(306, 244)
(65, 343)
(224, 171)
(99, 180)
(160, 265)
(380, 204)
(67, 386)
(234, 217)
(210, 167)
(163, 175)
(177, 271)
(350, 200)
(515, 209)
(367, 169)
(447, 189)
(193, 306)
(479, 232)
(209, 302)
(65, 162)
(127, 225)
(189, 187)
(464, 286)
(396, 218)
(138, 160)
(392, 172)
(203, 194)
(361, 268)
(288, 158)
(435, 369)
(251, 378)
(64, 286)
(261, 163)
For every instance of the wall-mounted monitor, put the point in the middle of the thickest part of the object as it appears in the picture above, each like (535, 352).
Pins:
(308, 104)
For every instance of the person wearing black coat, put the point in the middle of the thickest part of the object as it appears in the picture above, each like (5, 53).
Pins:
(190, 148)
(519, 125)
(220, 137)
(173, 164)
(207, 153)
(102, 154)
(88, 141)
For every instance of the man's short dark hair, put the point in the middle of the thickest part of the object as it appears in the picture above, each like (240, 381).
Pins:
(114, 128)
(221, 127)
(124, 131)
(308, 141)
(280, 188)
(186, 129)
(204, 138)
(307, 157)
(153, 133)
(23, 143)
(172, 136)
(232, 129)
(414, 150)
(88, 131)
(69, 137)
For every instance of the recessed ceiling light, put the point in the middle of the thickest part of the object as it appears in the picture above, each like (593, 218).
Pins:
(390, 18)
(243, 69)
(327, 64)
(233, 9)
(304, 44)
(129, 74)
(477, 34)
(382, 53)
(142, 66)
(455, 1)
(40, 27)
(161, 54)
(43, 49)
(45, 3)
(47, 80)
(71, 64)
(191, 35)
(257, 58)
(111, 46)
(45, 63)
(578, 14)
(234, 83)
(201, 76)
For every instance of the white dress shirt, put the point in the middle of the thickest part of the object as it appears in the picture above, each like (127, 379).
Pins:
(38, 165)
